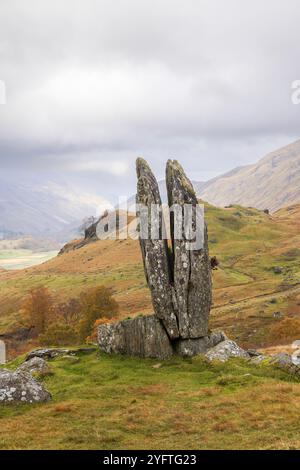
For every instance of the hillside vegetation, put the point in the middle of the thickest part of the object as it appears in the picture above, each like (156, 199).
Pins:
(256, 287)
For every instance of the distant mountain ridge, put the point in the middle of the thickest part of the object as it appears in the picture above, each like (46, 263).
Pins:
(272, 183)
(56, 211)
(44, 210)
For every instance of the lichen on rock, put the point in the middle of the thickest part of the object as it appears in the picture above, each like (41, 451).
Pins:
(21, 387)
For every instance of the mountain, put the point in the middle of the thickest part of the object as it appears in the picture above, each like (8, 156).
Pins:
(48, 209)
(272, 183)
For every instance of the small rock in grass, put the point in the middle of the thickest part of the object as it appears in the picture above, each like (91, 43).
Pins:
(225, 350)
(36, 364)
(258, 359)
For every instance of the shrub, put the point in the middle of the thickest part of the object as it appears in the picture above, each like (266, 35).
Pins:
(63, 324)
(291, 255)
(36, 308)
(58, 334)
(285, 331)
(69, 322)
(96, 303)
(68, 313)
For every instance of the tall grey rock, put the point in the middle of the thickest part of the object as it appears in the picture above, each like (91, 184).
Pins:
(155, 250)
(192, 268)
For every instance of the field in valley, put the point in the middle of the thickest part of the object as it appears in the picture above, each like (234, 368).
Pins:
(20, 259)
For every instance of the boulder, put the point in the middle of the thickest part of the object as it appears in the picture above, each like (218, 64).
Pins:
(225, 350)
(142, 336)
(258, 359)
(21, 387)
(285, 362)
(36, 364)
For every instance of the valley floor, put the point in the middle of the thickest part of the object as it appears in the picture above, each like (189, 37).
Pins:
(21, 259)
(110, 402)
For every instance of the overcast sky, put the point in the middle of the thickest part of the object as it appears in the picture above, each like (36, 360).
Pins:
(92, 84)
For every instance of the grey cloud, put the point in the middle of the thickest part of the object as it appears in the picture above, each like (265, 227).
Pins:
(92, 84)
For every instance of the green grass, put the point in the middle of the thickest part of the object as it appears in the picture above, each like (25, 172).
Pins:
(114, 402)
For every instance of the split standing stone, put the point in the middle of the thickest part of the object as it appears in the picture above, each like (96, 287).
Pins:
(155, 251)
(192, 268)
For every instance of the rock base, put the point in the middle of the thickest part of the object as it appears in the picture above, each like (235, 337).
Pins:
(192, 347)
(146, 337)
(140, 336)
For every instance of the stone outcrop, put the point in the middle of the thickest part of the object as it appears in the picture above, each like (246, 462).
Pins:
(52, 353)
(47, 353)
(178, 274)
(21, 387)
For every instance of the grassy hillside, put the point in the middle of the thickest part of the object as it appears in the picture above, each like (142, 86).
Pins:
(110, 402)
(258, 276)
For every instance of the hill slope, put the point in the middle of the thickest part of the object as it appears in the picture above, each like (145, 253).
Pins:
(272, 183)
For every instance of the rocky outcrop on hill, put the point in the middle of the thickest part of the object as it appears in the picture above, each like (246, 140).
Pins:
(179, 276)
